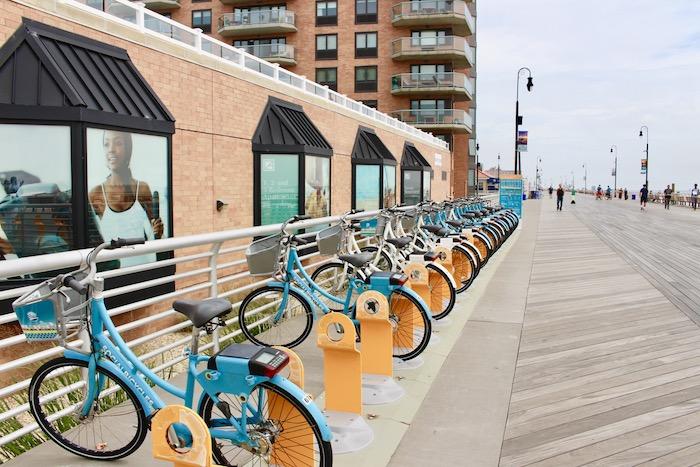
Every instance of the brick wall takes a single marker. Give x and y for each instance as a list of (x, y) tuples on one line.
[(217, 107)]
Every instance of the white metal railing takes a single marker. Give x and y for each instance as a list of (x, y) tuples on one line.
[(270, 51), (447, 44), (430, 8), (256, 18), (435, 117), (135, 15), (206, 265), (417, 81)]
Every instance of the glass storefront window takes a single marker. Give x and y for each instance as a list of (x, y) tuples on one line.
[(411, 186), (426, 185), (279, 187), (367, 187), (389, 186), (317, 190), (128, 192), (35, 190)]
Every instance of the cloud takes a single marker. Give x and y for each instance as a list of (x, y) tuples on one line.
[(602, 69)]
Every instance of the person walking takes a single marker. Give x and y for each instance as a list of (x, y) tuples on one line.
[(626, 195), (667, 197), (551, 190), (694, 197), (607, 192), (643, 197), (560, 197)]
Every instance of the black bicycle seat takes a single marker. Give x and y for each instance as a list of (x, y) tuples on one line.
[(455, 223), (399, 242), (200, 312), (358, 260)]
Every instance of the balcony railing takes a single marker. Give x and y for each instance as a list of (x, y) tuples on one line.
[(450, 119), (278, 53), (438, 83), (161, 4), (434, 13), (260, 21), (454, 48)]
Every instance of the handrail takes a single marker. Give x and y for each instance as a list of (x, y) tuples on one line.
[(435, 116), (433, 43), (432, 80), (135, 15), (433, 7), (258, 17)]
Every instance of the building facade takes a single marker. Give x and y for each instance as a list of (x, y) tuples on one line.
[(415, 60)]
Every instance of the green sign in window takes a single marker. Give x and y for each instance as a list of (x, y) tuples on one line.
[(279, 187)]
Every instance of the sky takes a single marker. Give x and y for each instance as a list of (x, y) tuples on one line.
[(601, 70)]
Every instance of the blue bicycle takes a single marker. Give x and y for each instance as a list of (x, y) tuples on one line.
[(98, 403), (281, 312)]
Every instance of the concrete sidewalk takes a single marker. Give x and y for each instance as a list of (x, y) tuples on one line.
[(462, 420)]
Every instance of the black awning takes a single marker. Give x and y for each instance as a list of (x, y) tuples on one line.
[(47, 73), (412, 158), (369, 149), (284, 127)]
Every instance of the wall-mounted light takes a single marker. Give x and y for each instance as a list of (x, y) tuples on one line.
[(220, 204)]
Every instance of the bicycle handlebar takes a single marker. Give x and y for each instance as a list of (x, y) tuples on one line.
[(121, 242), (75, 284)]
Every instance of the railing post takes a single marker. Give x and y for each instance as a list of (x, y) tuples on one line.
[(198, 38), (140, 15), (276, 71), (213, 286)]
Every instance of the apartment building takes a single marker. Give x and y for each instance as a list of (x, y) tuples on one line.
[(415, 60)]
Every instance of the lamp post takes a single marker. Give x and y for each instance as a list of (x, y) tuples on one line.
[(537, 174), (644, 131), (476, 172), (585, 178), (615, 169), (518, 119), (499, 171)]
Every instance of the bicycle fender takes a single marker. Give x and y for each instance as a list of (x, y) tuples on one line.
[(447, 273), (307, 402)]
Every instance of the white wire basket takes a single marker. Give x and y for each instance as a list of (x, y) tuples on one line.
[(328, 240), (263, 255)]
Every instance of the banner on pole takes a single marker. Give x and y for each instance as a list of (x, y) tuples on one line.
[(644, 166), (522, 140)]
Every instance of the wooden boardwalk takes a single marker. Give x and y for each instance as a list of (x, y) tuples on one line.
[(608, 369)]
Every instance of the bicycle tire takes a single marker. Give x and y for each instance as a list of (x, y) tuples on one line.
[(252, 330), (442, 293), (464, 268), (325, 451), (333, 306), (475, 256), (98, 453), (481, 242), (401, 320)]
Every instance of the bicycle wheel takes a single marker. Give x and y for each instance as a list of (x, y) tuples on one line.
[(264, 322), (333, 278), (464, 268), (482, 244), (286, 432), (442, 292), (116, 425), (410, 324), (475, 256)]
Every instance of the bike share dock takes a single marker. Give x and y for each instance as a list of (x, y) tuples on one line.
[(561, 353)]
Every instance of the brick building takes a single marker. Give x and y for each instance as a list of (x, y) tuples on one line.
[(414, 59)]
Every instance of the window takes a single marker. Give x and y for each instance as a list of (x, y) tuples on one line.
[(411, 186), (259, 14), (365, 79), (427, 177), (140, 206), (327, 77), (326, 13), (35, 192), (317, 186), (389, 186), (327, 47), (365, 11), (202, 19), (429, 38), (279, 187), (265, 48), (365, 44), (367, 187), (371, 103)]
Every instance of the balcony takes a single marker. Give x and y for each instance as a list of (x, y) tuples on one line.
[(242, 2), (256, 22), (452, 48), (274, 53), (454, 120), (161, 4), (456, 85), (450, 13)]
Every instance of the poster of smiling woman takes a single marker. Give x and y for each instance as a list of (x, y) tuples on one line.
[(128, 187)]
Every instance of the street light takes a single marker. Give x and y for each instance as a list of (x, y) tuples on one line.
[(615, 169), (476, 172), (499, 171), (644, 130), (518, 118), (585, 179)]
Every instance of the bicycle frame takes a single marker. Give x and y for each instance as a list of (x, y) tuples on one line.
[(235, 378)]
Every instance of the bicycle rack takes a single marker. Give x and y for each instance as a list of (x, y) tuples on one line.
[(378, 384), (342, 379), (198, 455), (302, 442), (418, 281), (444, 251)]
